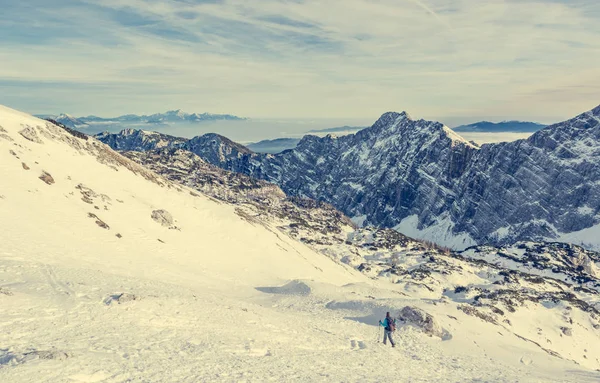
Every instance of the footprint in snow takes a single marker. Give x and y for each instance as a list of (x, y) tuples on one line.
[(526, 360), (357, 344)]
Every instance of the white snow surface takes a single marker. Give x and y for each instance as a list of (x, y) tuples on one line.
[(440, 233), (214, 297)]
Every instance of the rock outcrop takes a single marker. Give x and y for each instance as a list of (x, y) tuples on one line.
[(163, 217)]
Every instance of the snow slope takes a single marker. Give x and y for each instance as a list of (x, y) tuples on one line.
[(94, 289)]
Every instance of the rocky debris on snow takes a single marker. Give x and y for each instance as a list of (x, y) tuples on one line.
[(121, 298), (256, 200), (88, 195), (31, 134), (47, 355), (568, 331), (99, 222), (246, 216), (24, 165), (5, 292), (163, 217), (72, 132), (46, 177), (424, 321), (9, 358), (4, 134), (472, 311), (567, 262), (138, 140)]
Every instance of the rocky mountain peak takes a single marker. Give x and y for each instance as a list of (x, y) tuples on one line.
[(130, 132), (391, 119)]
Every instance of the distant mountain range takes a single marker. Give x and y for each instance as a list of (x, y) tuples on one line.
[(349, 129), (500, 127), (172, 116), (277, 145)]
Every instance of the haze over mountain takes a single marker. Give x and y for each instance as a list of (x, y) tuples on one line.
[(273, 146), (111, 266), (504, 126)]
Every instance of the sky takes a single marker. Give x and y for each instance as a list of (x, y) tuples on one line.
[(450, 60)]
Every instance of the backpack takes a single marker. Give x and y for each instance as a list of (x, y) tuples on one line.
[(391, 325)]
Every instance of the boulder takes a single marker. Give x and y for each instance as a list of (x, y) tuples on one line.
[(422, 320), (47, 178), (163, 217)]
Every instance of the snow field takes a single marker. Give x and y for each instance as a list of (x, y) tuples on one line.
[(92, 289)]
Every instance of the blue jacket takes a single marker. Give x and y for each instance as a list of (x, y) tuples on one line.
[(385, 322)]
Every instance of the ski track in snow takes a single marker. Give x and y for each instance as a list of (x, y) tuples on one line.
[(215, 299)]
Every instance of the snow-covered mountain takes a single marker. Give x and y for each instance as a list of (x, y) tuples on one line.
[(141, 140), (66, 120), (503, 126), (181, 116), (71, 121), (213, 148), (110, 271), (496, 285), (426, 181), (172, 116)]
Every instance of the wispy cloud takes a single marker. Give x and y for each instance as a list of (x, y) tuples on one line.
[(311, 58)]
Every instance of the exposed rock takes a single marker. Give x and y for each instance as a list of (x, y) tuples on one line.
[(24, 166), (139, 140), (31, 134), (163, 217), (419, 318), (72, 132), (121, 298), (568, 331), (11, 358), (99, 222), (5, 292), (47, 355), (4, 134), (470, 310), (88, 195), (47, 178)]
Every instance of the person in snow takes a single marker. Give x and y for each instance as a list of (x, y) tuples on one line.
[(389, 326)]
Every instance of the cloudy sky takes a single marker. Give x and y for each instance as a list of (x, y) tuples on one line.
[(438, 59)]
